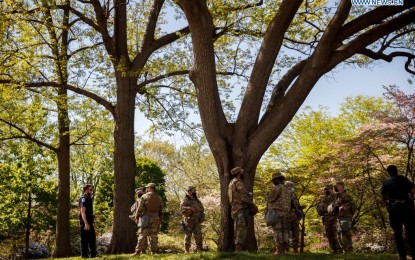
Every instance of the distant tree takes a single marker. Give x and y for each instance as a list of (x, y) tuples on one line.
[(28, 193), (36, 60), (147, 171), (318, 149), (121, 48)]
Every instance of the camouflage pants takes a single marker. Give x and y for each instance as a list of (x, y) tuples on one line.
[(295, 230), (330, 225), (241, 228), (345, 236), (195, 228), (151, 231), (282, 230)]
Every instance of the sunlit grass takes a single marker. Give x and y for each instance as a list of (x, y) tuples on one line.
[(246, 255)]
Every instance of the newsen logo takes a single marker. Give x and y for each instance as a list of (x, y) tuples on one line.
[(377, 2)]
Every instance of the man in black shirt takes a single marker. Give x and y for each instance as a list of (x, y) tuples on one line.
[(396, 192), (86, 222)]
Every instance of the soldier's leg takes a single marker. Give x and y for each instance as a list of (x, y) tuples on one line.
[(278, 236), (154, 229), (241, 232), (197, 231), (330, 226), (347, 240), (188, 237), (142, 239), (295, 234), (286, 228)]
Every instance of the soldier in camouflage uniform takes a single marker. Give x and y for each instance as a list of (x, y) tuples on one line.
[(346, 209), (279, 199), (139, 192), (193, 216), (239, 200), (329, 219), (295, 216), (151, 205)]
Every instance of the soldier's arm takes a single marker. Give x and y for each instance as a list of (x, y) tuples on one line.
[(348, 202), (161, 209), (274, 194), (184, 206), (141, 208), (202, 209), (243, 193)]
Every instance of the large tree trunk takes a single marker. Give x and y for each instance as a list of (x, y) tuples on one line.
[(63, 241), (227, 239), (123, 230)]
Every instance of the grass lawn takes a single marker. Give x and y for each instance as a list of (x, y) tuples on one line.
[(257, 255)]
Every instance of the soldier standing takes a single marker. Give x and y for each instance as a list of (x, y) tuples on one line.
[(346, 209), (295, 216), (86, 222), (329, 219), (239, 200), (396, 192), (193, 216), (279, 199), (139, 192), (150, 205)]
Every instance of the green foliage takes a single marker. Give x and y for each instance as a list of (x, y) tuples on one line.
[(191, 164), (147, 171), (26, 171), (318, 149)]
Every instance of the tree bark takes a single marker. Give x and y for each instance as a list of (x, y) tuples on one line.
[(123, 234), (63, 241), (226, 241)]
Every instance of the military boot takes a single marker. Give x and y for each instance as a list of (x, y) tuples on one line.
[(199, 248), (239, 248), (279, 250), (187, 248)]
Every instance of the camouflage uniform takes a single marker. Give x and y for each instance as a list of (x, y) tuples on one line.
[(280, 199), (151, 205), (329, 221), (239, 199), (344, 220), (192, 221), (294, 220), (134, 217)]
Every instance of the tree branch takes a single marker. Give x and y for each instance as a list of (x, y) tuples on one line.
[(272, 42), (160, 77), (368, 19), (325, 46), (26, 136), (365, 39), (244, 7), (279, 90), (149, 34), (389, 57), (75, 89)]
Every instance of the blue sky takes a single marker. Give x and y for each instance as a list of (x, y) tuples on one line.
[(332, 90)]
